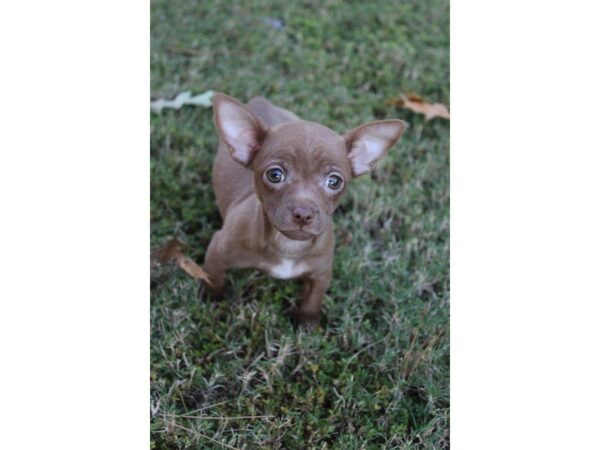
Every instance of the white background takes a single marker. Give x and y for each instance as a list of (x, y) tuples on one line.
[(74, 224)]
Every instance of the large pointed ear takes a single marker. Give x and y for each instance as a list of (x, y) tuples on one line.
[(370, 142), (240, 129)]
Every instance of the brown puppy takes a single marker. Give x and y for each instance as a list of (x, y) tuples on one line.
[(278, 180)]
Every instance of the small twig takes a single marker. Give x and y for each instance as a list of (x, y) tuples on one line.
[(204, 436), (223, 417)]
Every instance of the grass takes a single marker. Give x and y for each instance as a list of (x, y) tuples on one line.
[(376, 373)]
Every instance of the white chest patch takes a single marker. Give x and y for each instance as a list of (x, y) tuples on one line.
[(287, 268)]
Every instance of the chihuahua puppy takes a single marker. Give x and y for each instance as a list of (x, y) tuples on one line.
[(277, 180)]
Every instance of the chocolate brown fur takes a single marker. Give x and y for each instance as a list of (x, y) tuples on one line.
[(285, 227)]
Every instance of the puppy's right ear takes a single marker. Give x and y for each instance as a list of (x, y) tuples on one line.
[(240, 129)]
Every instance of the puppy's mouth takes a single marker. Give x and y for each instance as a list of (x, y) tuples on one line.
[(280, 219), (299, 235)]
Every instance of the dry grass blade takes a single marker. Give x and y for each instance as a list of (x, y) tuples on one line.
[(222, 417), (204, 408), (416, 104), (172, 252), (416, 354), (203, 436), (372, 344)]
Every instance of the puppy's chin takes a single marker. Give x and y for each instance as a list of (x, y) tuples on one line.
[(298, 235)]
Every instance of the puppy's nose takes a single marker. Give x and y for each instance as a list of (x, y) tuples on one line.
[(303, 215)]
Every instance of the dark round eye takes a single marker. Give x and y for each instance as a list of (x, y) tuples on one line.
[(275, 175), (334, 182)]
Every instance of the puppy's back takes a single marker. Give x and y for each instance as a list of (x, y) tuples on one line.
[(272, 115)]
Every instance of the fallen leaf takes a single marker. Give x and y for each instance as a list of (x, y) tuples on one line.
[(415, 98), (167, 253), (172, 252), (190, 267), (416, 104), (183, 98)]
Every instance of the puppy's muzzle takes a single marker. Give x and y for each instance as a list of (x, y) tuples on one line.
[(303, 215)]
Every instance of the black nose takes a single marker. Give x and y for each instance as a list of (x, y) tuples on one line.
[(303, 215)]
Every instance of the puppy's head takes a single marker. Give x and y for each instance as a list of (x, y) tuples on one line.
[(301, 168)]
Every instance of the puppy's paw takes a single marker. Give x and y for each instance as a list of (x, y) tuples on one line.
[(308, 319), (209, 293)]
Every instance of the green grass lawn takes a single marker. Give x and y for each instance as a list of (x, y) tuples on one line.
[(376, 373)]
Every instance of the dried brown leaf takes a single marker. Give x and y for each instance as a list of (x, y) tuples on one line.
[(190, 267), (415, 97), (168, 253), (172, 252), (415, 103)]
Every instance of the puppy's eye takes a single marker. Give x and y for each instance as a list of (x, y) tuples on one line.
[(334, 182), (275, 175)]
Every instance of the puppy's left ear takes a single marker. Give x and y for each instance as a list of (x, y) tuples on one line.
[(370, 142)]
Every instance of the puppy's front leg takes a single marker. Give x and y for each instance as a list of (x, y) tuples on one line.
[(215, 264), (312, 298)]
